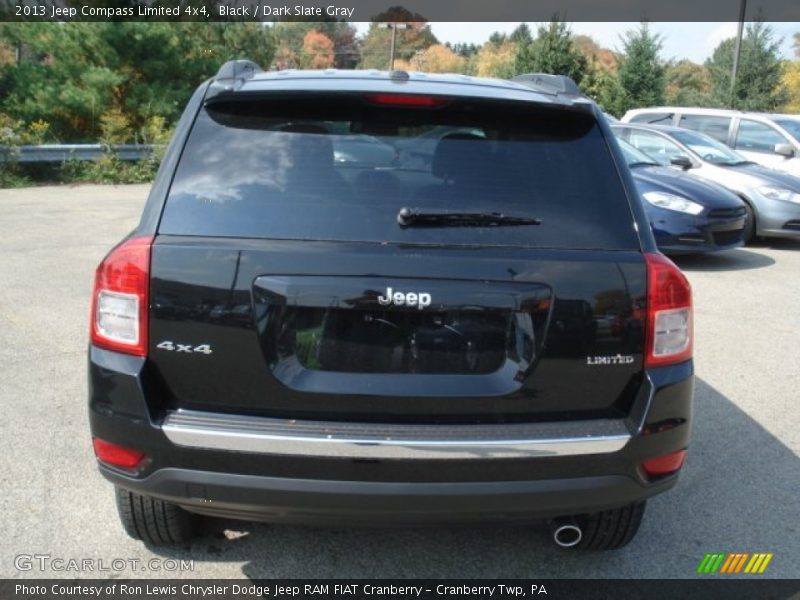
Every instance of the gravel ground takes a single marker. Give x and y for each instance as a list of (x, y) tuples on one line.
[(739, 491)]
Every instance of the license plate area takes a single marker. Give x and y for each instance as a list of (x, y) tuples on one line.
[(338, 333), (469, 341)]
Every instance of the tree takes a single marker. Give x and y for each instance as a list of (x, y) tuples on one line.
[(496, 60), (796, 44), (317, 50), (521, 35), (464, 49), (7, 53), (84, 79), (612, 96), (641, 71), (441, 59), (791, 81), (602, 57), (375, 46), (758, 83), (497, 39), (289, 37), (688, 84), (551, 51)]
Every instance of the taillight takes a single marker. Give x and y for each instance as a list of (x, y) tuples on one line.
[(664, 465), (669, 313), (120, 298), (116, 455), (407, 100)]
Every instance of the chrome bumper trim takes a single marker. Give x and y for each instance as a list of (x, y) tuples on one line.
[(195, 429)]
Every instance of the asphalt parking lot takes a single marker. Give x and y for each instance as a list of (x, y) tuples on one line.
[(739, 491)]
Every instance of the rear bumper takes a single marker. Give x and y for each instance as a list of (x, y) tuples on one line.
[(239, 468), (331, 439), (326, 502)]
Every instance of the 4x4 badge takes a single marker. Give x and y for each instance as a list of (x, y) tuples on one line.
[(418, 299)]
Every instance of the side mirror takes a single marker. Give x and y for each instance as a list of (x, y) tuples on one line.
[(785, 150), (681, 161)]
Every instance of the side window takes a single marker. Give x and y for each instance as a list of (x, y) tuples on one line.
[(716, 127), (660, 118), (656, 147), (757, 137)]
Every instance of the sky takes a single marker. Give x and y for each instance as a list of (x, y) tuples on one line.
[(695, 41)]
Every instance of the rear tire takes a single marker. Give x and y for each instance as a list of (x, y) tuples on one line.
[(750, 225), (154, 521), (610, 529)]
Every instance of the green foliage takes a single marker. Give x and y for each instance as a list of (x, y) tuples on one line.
[(758, 83), (688, 84), (12, 177), (109, 169), (551, 51), (641, 71), (611, 96), (75, 75), (464, 50), (603, 86), (14, 133), (497, 39), (521, 35)]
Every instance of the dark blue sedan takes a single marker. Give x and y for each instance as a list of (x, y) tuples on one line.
[(688, 214)]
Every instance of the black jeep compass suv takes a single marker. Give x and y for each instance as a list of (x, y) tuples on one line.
[(390, 298)]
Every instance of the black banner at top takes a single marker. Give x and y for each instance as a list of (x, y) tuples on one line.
[(382, 10)]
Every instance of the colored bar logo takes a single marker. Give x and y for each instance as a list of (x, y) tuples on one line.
[(734, 562)]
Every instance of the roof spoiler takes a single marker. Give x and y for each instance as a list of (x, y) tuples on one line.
[(558, 85), (232, 75)]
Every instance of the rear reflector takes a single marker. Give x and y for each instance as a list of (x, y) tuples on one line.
[(120, 298), (407, 100), (664, 465), (115, 455), (669, 313)]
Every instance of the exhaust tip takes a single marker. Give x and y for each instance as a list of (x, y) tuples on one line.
[(567, 535)]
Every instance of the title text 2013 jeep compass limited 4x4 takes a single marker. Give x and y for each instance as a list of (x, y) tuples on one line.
[(390, 298)]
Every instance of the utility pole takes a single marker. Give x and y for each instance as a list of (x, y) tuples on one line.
[(737, 50), (394, 27)]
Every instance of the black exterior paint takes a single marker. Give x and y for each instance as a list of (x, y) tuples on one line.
[(186, 308), (220, 292)]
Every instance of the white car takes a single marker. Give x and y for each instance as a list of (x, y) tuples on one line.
[(771, 140)]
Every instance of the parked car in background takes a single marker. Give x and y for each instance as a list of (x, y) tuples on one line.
[(687, 214), (767, 139), (772, 198)]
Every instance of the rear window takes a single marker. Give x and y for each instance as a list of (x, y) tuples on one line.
[(340, 168)]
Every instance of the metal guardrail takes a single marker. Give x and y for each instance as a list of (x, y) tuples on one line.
[(45, 153)]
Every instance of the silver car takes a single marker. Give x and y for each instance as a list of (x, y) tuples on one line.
[(772, 197), (771, 140)]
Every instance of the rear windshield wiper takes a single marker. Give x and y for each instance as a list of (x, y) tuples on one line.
[(411, 217)]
